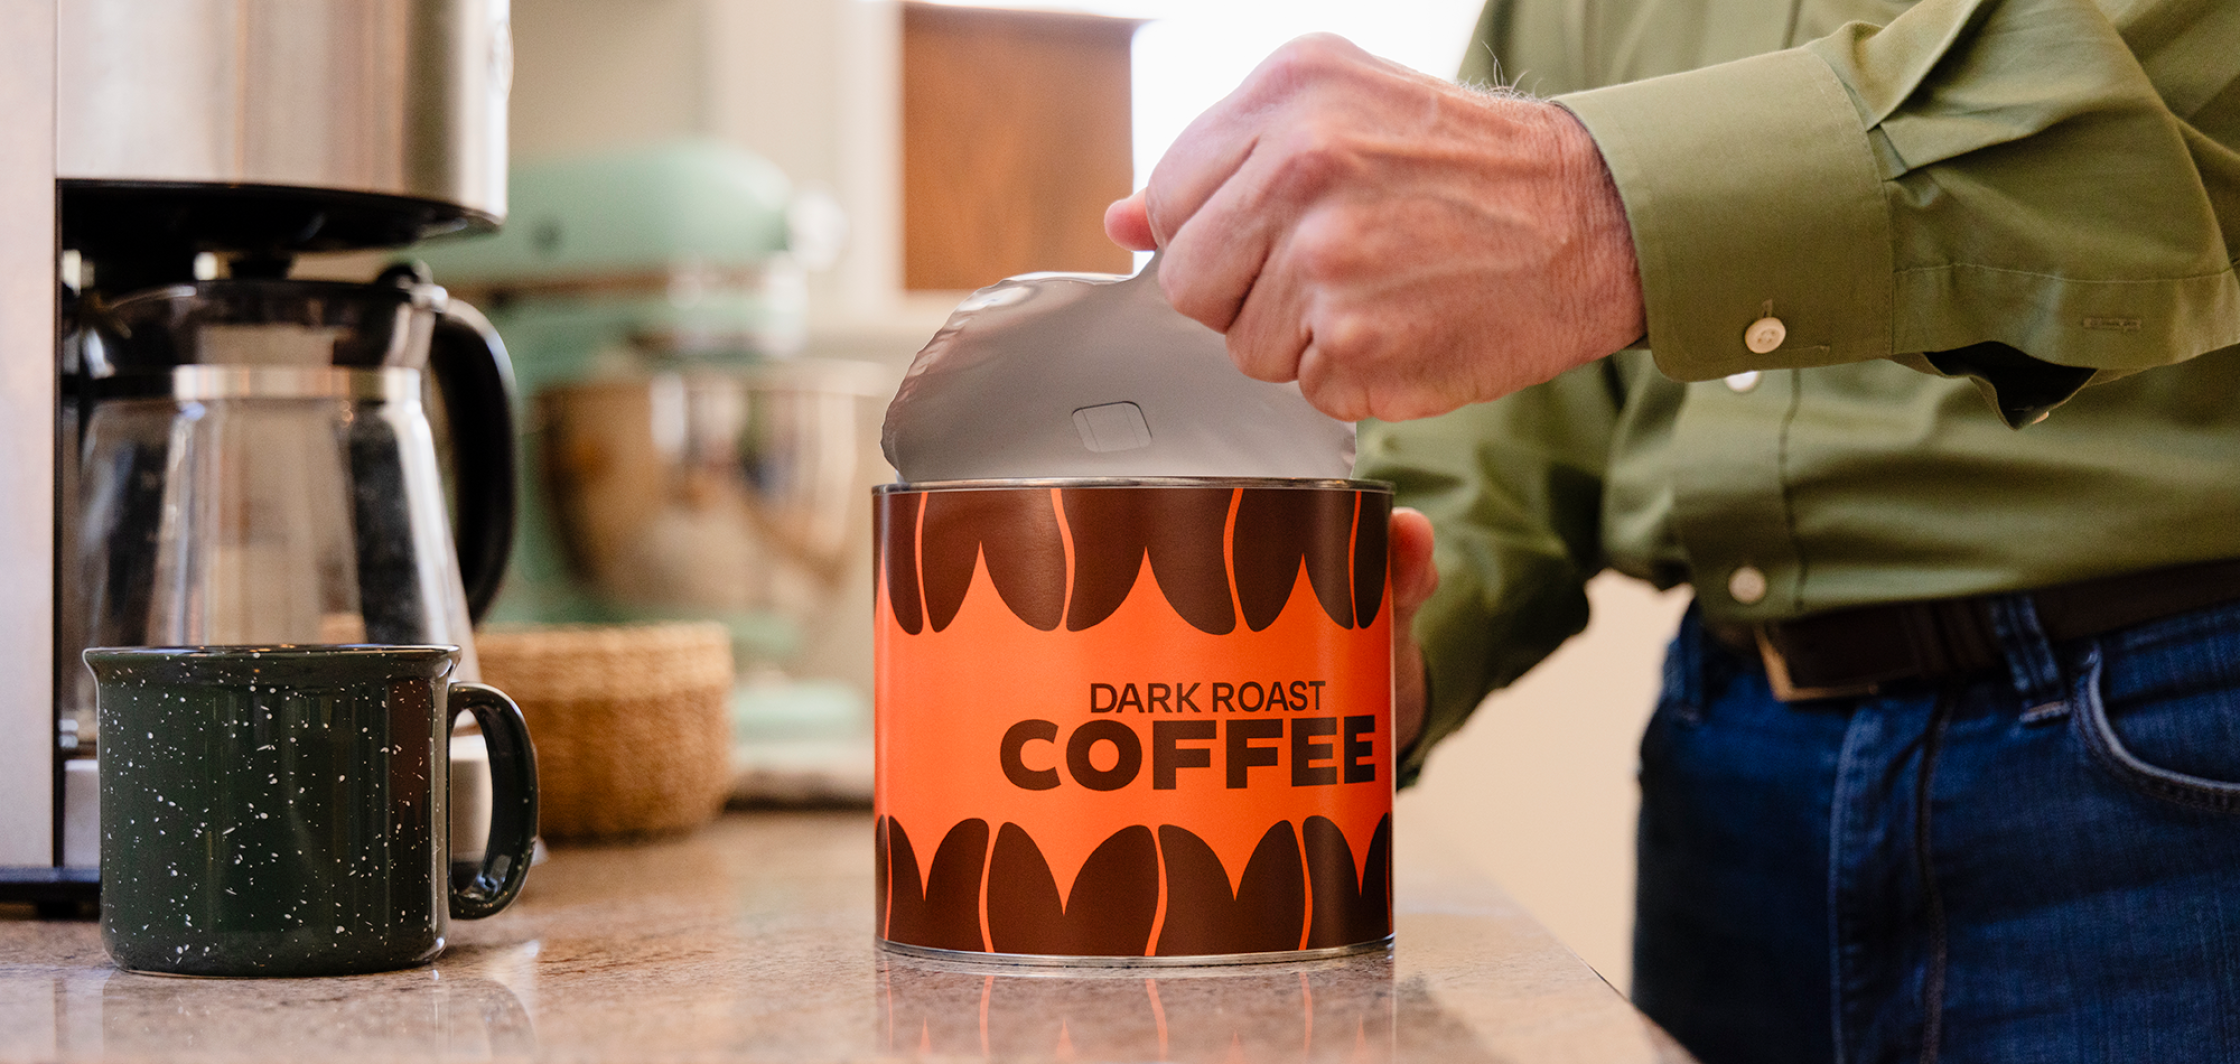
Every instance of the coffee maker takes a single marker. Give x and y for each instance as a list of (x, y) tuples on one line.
[(157, 144)]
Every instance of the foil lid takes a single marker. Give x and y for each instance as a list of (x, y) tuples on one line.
[(1095, 375)]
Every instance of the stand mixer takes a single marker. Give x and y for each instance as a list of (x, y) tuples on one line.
[(680, 460)]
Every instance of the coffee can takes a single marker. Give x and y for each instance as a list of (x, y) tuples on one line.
[(1133, 721)]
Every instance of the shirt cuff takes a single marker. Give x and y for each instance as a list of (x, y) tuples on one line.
[(1754, 194)]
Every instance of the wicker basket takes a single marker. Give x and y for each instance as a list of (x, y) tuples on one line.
[(631, 722)]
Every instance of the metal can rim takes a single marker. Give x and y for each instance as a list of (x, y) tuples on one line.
[(986, 960), (1384, 487)]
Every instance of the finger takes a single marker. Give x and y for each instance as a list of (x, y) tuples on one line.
[(1345, 372), (1208, 267), (1268, 334), (1203, 157), (1212, 264), (1414, 576), (1128, 224), (1219, 141), (1342, 265), (1413, 580)]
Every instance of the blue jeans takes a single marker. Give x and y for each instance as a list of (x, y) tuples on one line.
[(2042, 865)]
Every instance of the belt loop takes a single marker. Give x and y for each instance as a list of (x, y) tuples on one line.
[(2031, 663)]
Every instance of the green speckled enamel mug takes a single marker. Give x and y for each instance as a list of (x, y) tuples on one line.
[(282, 810)]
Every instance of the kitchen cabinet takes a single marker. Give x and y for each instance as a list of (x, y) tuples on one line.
[(1015, 135)]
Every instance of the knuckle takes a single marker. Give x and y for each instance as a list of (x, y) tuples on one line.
[(1305, 58), (1349, 337), (1327, 245), (1324, 55), (1309, 160)]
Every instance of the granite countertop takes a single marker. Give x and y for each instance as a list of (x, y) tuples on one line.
[(751, 940)]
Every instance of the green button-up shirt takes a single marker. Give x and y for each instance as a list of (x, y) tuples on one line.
[(2027, 195)]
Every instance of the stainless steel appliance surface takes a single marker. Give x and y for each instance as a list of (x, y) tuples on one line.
[(717, 491), (280, 125), (154, 144)]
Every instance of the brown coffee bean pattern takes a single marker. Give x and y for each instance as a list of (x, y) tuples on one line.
[(1108, 913), (1276, 531), (1113, 531), (1203, 917), (1347, 909), (1114, 900), (1338, 538), (1014, 532), (894, 557), (1372, 531), (944, 912)]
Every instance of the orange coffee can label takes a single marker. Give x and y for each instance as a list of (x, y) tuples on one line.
[(1134, 718)]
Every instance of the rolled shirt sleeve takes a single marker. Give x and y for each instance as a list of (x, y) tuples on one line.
[(2022, 191)]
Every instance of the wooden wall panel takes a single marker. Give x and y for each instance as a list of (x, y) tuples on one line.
[(1016, 135)]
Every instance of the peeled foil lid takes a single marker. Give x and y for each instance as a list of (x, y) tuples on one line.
[(1095, 375)]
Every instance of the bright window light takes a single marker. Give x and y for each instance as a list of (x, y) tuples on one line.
[(1191, 53)]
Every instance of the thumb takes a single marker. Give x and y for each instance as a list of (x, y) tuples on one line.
[(1414, 578), (1128, 223)]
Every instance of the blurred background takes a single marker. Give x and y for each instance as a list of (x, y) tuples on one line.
[(739, 213)]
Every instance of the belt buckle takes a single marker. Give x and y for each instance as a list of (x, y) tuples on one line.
[(1777, 676)]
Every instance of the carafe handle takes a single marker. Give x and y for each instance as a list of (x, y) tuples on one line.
[(476, 379)]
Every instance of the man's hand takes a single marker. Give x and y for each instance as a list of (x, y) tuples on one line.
[(1413, 580), (1399, 245)]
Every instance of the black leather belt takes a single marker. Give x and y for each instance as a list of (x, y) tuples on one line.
[(1855, 652)]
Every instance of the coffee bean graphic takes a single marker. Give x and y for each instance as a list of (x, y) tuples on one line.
[(894, 558), (1014, 532), (1113, 530), (1171, 696), (1339, 538), (943, 913), (1372, 532), (1108, 912), (1347, 910), (1266, 913)]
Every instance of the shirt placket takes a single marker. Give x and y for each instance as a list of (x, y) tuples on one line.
[(1730, 506)]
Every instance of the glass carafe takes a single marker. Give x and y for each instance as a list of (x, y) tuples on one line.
[(257, 466)]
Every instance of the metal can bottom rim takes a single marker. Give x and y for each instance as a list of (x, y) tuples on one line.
[(976, 958)]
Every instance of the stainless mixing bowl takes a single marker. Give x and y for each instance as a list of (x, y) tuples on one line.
[(728, 493)]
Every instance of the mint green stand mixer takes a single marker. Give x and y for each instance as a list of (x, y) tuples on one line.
[(679, 459)]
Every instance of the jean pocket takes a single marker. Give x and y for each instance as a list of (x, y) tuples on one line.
[(2177, 737)]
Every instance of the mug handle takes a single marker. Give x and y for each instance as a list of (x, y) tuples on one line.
[(513, 803)]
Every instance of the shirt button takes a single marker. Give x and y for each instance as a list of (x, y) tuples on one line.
[(1743, 381), (1747, 585), (1764, 335)]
